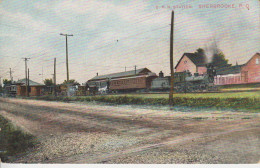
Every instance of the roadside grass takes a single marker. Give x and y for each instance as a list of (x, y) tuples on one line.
[(240, 87), (246, 118), (199, 118), (255, 94), (239, 100), (237, 86), (13, 141)]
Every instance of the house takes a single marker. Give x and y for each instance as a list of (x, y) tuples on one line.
[(250, 72), (192, 62), (240, 74), (35, 89)]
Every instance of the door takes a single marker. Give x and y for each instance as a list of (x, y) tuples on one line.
[(244, 75)]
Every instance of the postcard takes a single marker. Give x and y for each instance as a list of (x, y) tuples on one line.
[(108, 82)]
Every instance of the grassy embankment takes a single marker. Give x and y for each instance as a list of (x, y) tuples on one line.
[(13, 141), (241, 87), (238, 100)]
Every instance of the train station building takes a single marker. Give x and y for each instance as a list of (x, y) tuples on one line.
[(237, 74), (240, 74)]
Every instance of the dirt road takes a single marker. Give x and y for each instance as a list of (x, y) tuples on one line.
[(91, 133)]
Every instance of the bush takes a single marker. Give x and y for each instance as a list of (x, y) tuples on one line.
[(13, 140), (220, 102), (19, 142)]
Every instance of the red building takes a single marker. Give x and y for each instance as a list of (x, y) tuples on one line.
[(251, 70), (35, 89), (240, 74), (191, 62)]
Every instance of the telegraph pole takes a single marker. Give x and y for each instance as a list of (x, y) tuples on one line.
[(135, 69), (26, 81), (171, 60), (54, 77), (67, 59), (11, 78)]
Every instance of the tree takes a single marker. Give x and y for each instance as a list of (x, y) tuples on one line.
[(201, 52), (219, 60), (218, 57), (71, 81), (7, 82), (48, 82)]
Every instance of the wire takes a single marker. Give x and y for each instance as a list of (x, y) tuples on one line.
[(19, 27)]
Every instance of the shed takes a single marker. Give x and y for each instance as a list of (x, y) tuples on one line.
[(35, 89)]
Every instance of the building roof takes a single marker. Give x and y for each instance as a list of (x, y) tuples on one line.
[(197, 59), (31, 83), (233, 69), (229, 70), (252, 57), (121, 74)]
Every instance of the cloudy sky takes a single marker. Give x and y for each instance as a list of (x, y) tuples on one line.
[(111, 35)]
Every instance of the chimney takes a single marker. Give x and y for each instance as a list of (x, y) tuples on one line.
[(161, 75), (97, 73)]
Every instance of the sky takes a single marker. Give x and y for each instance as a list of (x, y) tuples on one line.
[(109, 35)]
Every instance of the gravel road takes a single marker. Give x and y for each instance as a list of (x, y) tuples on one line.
[(96, 133)]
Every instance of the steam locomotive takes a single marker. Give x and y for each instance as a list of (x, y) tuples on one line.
[(187, 82), (143, 80)]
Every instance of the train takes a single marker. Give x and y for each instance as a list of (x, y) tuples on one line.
[(143, 80), (124, 82), (187, 82)]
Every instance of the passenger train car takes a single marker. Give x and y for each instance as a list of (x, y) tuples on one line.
[(143, 80), (128, 81)]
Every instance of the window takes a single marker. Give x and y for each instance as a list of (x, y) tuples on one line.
[(257, 61), (185, 62)]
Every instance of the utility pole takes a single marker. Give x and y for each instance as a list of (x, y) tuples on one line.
[(54, 77), (26, 81), (53, 83), (171, 60), (125, 68), (135, 69), (67, 59), (11, 78)]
